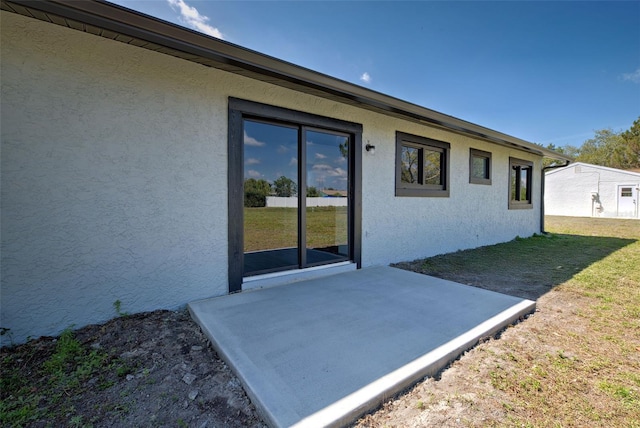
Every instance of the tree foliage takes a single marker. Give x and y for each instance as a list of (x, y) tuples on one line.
[(256, 192), (630, 156), (409, 165), (344, 149), (607, 148), (603, 149), (285, 187), (312, 192)]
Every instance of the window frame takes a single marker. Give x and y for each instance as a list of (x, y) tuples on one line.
[(475, 153), (528, 202), (422, 189)]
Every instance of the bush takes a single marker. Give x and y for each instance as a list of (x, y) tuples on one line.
[(253, 199)]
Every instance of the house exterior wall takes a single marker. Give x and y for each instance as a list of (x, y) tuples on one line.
[(114, 180), (585, 190)]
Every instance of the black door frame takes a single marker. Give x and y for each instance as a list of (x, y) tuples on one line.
[(240, 109)]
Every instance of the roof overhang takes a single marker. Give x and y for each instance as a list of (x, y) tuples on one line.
[(127, 26)]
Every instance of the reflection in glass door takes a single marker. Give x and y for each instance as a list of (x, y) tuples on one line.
[(278, 222), (270, 171), (327, 201)]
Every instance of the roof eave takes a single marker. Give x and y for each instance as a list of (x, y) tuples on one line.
[(213, 52)]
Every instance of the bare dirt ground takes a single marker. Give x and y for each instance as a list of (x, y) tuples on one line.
[(157, 370)]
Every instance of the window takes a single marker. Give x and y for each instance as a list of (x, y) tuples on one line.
[(626, 192), (422, 166), (520, 183), (479, 167)]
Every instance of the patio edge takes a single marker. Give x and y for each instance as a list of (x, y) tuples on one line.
[(269, 418), (351, 407)]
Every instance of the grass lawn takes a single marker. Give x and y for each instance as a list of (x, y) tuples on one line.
[(575, 362), (588, 371), (269, 228)]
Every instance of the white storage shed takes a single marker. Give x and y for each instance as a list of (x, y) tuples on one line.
[(585, 190)]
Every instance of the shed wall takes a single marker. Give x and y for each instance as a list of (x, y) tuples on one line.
[(114, 180), (584, 190)]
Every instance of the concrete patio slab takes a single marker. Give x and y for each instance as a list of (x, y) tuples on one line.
[(324, 351)]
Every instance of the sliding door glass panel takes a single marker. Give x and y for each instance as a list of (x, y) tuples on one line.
[(270, 197), (327, 197)]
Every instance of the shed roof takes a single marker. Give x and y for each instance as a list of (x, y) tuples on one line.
[(631, 173), (131, 27)]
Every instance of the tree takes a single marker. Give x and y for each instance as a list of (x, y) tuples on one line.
[(603, 149), (285, 187), (409, 165), (607, 148), (312, 192), (344, 149), (630, 154), (256, 192), (570, 151)]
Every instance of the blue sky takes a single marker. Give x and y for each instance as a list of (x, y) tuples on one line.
[(546, 72)]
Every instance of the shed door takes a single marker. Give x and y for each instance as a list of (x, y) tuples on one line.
[(627, 200)]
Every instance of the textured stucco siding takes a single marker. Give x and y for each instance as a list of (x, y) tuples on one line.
[(406, 228), (113, 171), (568, 191), (114, 180)]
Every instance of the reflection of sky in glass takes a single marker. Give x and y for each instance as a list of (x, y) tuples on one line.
[(271, 151), (326, 166)]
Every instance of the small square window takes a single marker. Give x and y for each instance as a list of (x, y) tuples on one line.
[(520, 184), (626, 192), (422, 166), (479, 167)]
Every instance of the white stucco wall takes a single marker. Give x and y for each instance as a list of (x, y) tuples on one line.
[(113, 166), (403, 228), (114, 172), (585, 190)]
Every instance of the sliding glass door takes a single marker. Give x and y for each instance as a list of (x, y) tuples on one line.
[(296, 196)]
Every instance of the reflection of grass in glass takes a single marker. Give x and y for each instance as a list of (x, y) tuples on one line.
[(326, 226), (270, 228)]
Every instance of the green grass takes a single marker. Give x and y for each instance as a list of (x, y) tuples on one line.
[(586, 226), (528, 267), (269, 228)]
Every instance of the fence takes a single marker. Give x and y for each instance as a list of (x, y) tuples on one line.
[(281, 202)]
